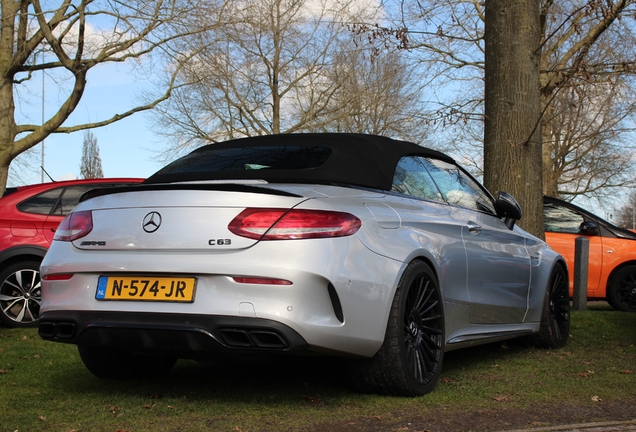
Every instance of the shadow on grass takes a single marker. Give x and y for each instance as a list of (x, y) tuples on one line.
[(242, 380), (238, 380), (303, 378)]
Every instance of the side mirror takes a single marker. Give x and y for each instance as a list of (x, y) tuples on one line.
[(508, 208), (588, 228)]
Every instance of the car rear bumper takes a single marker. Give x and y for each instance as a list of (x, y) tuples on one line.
[(191, 336)]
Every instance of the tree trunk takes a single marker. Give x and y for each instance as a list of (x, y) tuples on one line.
[(550, 174), (7, 104), (7, 130), (512, 130)]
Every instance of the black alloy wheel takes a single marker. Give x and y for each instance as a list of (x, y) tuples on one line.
[(20, 294), (410, 359), (422, 329), (621, 291), (555, 321)]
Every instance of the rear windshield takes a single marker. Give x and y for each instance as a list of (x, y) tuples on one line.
[(249, 159)]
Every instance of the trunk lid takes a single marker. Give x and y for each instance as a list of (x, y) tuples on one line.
[(174, 218)]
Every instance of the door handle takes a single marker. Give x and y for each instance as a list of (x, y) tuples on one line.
[(474, 228)]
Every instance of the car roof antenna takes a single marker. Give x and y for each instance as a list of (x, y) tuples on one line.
[(47, 173)]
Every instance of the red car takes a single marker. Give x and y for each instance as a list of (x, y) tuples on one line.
[(612, 251), (29, 216)]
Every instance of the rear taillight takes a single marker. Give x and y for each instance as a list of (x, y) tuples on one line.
[(75, 225), (283, 224)]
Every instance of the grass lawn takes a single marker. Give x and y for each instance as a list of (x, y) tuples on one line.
[(45, 387)]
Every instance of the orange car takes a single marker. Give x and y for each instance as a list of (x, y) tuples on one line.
[(612, 254)]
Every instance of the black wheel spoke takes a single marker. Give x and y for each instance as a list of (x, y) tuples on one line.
[(559, 304), (421, 292), (422, 328), (431, 330)]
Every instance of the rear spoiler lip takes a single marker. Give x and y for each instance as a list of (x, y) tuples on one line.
[(223, 187)]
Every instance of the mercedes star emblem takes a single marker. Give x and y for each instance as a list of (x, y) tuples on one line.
[(151, 222)]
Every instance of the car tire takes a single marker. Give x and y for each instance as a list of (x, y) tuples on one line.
[(20, 294), (410, 359), (554, 330), (111, 363), (621, 291)]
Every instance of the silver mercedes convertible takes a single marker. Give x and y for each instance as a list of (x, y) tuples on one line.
[(377, 250)]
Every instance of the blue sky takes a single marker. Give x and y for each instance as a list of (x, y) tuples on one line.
[(127, 147)]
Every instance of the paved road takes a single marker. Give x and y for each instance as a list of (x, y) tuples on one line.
[(625, 426)]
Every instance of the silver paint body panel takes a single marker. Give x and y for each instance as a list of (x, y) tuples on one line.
[(492, 279)]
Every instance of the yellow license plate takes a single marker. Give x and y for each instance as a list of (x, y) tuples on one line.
[(142, 288)]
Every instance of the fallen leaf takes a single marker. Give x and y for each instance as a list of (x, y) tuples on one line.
[(596, 399), (41, 417), (114, 409), (625, 371), (500, 398), (24, 337), (446, 380), (36, 356), (377, 417), (2, 371), (312, 399)]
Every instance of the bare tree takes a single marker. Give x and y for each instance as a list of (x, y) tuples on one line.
[(626, 215), (583, 130), (271, 57), (583, 43), (91, 166), (66, 39), (379, 94), (289, 66)]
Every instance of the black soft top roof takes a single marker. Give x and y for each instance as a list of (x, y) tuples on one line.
[(355, 159)]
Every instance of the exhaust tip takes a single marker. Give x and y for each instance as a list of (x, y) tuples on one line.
[(59, 330), (253, 338)]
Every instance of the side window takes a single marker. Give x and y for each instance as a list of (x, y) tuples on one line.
[(557, 218), (42, 203), (70, 199), (412, 178), (459, 189), (72, 195)]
